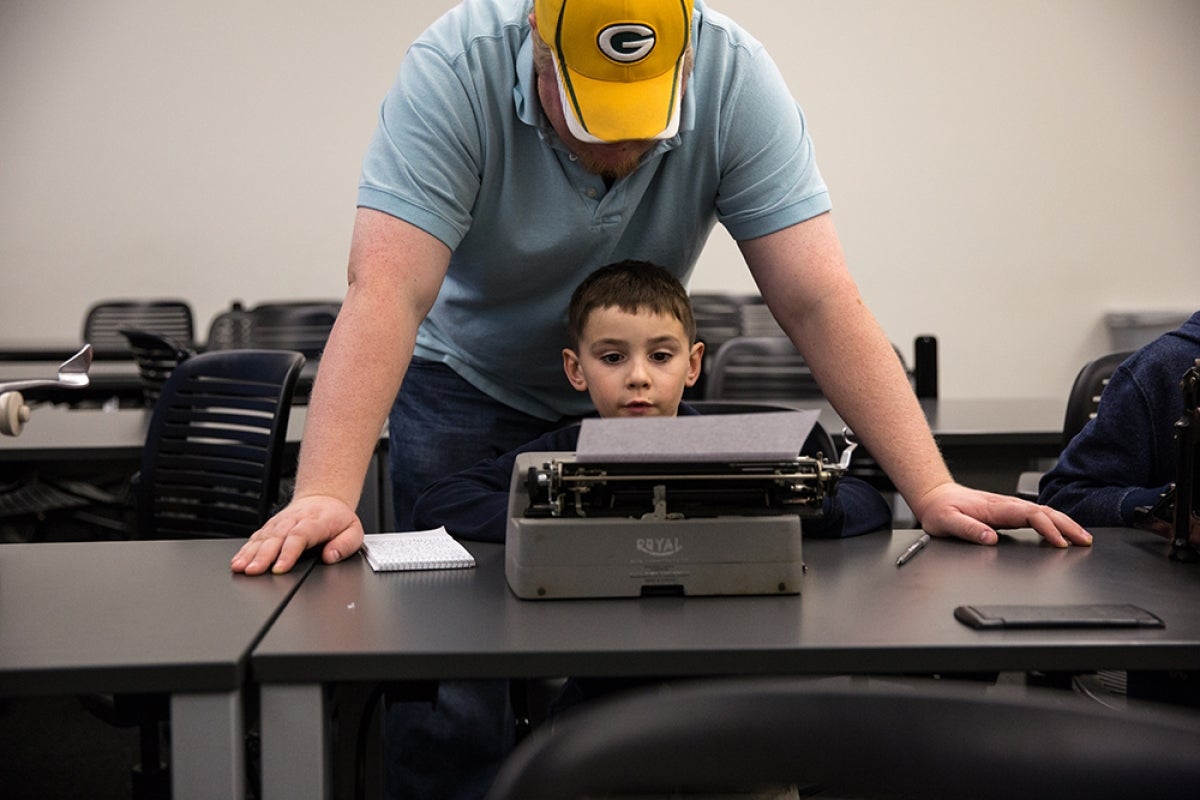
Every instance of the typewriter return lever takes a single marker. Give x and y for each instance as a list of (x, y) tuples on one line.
[(851, 443)]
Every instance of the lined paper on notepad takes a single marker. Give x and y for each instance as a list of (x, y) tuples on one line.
[(412, 550)]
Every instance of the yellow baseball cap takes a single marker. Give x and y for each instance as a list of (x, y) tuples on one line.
[(620, 64)]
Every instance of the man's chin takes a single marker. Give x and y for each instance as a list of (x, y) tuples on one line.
[(610, 165)]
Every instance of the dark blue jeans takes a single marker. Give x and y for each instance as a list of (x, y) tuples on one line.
[(439, 425)]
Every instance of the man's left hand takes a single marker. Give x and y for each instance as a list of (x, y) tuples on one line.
[(952, 509)]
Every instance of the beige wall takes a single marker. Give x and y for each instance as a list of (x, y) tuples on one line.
[(1003, 172)]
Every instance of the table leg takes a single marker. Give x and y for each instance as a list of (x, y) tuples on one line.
[(208, 757), (295, 742)]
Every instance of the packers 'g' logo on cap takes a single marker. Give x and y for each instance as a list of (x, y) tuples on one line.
[(619, 64), (626, 43)]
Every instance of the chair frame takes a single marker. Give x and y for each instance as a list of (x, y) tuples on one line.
[(1083, 400), (778, 356), (105, 319), (214, 448), (303, 326), (888, 738), (1083, 403)]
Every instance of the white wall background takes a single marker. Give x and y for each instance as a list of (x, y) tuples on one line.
[(1003, 172)]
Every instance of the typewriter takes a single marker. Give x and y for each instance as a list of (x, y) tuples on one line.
[(621, 527)]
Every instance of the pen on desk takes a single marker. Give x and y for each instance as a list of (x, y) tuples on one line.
[(912, 550)]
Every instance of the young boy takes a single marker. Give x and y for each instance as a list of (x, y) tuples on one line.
[(633, 348), (634, 351)]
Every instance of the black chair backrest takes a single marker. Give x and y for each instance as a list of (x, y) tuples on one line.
[(856, 737), (718, 317), (156, 356), (759, 368), (757, 319), (230, 330), (105, 320), (1084, 398), (302, 326), (214, 449)]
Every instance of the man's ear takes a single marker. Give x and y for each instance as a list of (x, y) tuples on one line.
[(574, 370), (695, 359)]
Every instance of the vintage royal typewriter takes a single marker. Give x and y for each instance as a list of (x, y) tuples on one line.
[(643, 518)]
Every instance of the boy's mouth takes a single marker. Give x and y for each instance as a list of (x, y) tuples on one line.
[(639, 406)]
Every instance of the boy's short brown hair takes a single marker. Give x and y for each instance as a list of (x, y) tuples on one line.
[(631, 286)]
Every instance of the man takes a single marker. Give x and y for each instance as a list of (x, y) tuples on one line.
[(492, 187), (518, 151)]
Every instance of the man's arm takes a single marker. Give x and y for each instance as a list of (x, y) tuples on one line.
[(394, 275), (802, 274)]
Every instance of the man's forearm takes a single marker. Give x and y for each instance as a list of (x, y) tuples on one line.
[(354, 390), (866, 383), (802, 274), (394, 275)]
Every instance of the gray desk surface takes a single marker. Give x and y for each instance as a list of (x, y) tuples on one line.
[(160, 616), (132, 617), (858, 613)]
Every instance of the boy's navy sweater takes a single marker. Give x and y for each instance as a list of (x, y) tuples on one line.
[(1126, 456), (473, 504)]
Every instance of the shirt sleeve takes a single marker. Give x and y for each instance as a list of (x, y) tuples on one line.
[(855, 508), (473, 504), (1113, 456), (770, 178), (423, 162)]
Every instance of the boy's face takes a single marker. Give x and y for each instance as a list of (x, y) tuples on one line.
[(633, 365)]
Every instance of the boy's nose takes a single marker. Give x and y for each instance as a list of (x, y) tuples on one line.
[(639, 375)]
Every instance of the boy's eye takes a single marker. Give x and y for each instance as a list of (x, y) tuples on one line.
[(660, 356), (611, 358)]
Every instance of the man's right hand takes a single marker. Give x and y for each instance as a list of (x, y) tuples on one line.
[(306, 522)]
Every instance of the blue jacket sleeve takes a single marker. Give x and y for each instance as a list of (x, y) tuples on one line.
[(854, 509), (1124, 456), (473, 503)]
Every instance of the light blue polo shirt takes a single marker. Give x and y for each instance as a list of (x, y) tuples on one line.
[(464, 152)]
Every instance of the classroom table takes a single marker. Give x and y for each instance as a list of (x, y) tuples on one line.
[(112, 379), (987, 442), (858, 614), (56, 350), (143, 617)]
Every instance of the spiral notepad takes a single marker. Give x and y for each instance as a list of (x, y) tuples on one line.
[(409, 550)]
